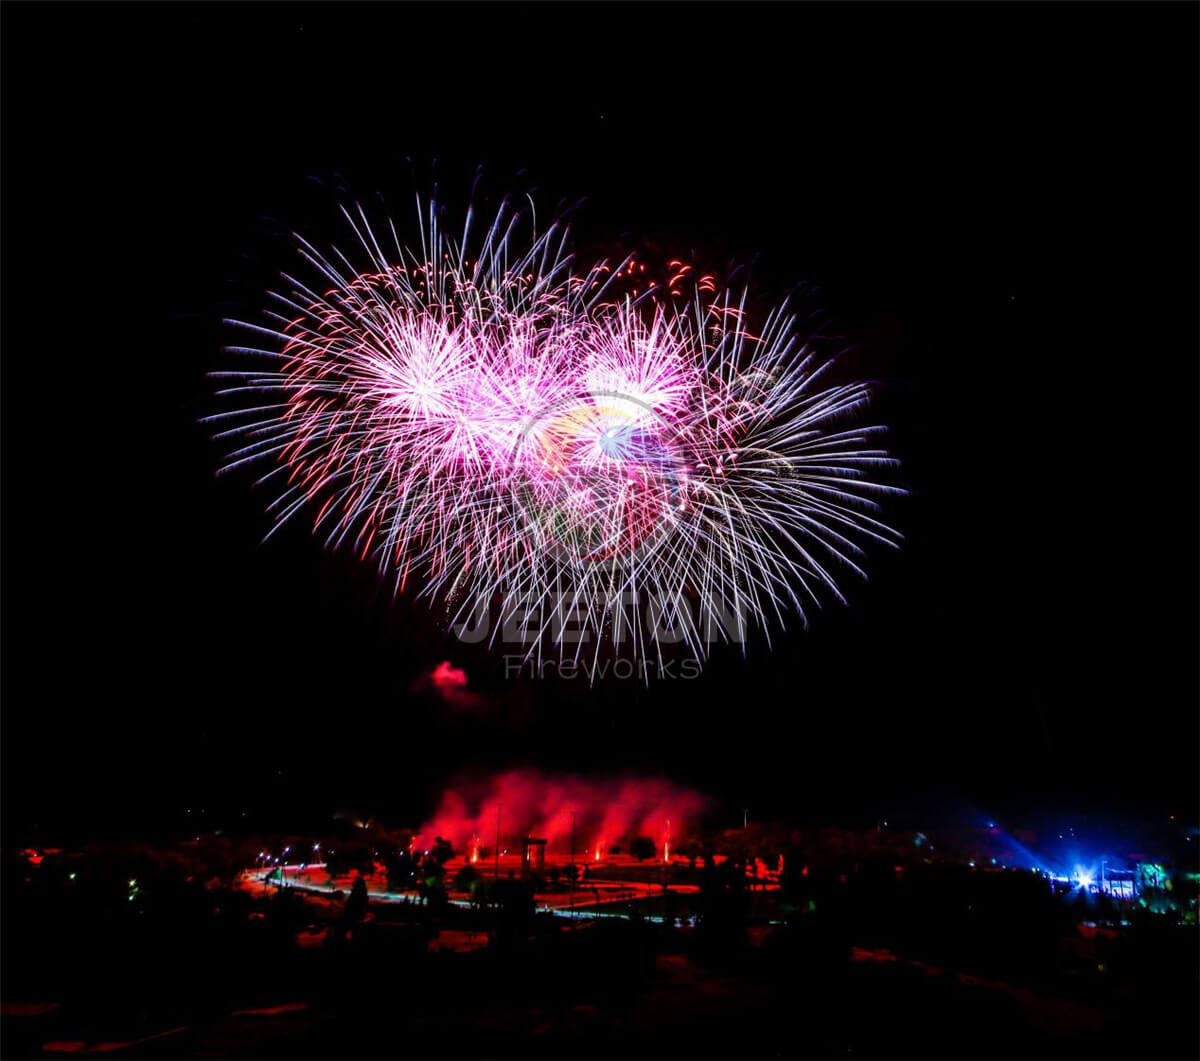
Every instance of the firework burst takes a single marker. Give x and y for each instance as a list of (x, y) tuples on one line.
[(618, 464)]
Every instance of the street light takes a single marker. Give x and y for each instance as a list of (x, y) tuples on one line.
[(573, 870), (499, 807)]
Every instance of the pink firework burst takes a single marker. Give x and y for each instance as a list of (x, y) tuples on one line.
[(494, 426)]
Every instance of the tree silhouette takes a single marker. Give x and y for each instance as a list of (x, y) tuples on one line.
[(642, 848), (464, 878), (356, 905)]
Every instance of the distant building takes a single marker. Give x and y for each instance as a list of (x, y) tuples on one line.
[(533, 855)]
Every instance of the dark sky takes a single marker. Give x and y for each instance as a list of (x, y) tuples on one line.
[(996, 203)]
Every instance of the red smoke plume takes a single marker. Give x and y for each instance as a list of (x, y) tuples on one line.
[(608, 810), (446, 677), (450, 684)]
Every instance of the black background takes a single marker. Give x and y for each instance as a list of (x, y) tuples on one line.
[(996, 204)]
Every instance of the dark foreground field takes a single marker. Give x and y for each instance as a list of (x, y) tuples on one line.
[(184, 970)]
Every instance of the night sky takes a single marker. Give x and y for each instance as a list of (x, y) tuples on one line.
[(995, 205)]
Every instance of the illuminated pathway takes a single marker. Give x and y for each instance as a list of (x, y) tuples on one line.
[(586, 897)]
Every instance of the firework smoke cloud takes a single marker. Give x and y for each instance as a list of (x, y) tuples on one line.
[(596, 811), (618, 463)]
